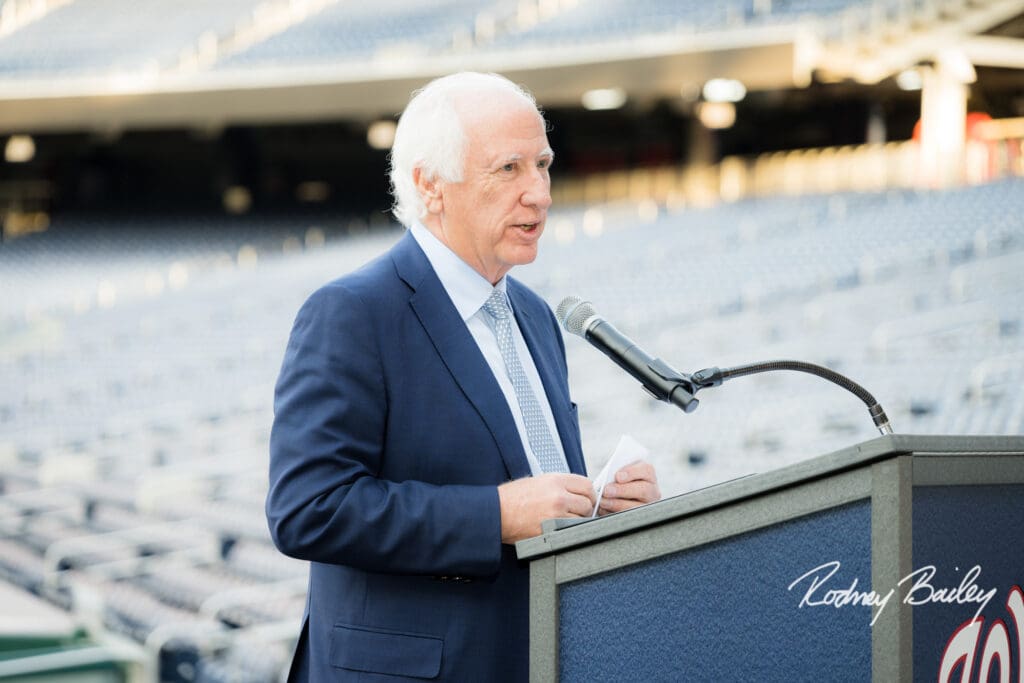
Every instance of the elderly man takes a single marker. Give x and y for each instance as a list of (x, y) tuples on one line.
[(422, 416)]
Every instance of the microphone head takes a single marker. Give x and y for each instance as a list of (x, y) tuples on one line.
[(574, 313)]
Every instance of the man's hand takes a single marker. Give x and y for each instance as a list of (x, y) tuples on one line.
[(634, 485), (525, 503)]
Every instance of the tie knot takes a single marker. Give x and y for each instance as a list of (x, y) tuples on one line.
[(496, 306)]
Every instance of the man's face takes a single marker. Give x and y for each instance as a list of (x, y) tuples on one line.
[(494, 217)]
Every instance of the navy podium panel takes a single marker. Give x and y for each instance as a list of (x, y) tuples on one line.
[(899, 559), (968, 552), (606, 620)]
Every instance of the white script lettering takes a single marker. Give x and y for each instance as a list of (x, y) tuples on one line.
[(821, 593)]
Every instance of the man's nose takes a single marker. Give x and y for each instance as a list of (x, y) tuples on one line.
[(538, 192)]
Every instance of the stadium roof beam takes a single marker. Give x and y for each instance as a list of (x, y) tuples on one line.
[(995, 51), (875, 53), (763, 58)]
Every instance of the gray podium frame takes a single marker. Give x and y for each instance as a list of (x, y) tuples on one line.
[(883, 470)]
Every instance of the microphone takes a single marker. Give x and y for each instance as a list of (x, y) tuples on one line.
[(667, 384), (660, 379)]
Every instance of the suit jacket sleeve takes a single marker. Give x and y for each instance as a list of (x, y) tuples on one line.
[(327, 501)]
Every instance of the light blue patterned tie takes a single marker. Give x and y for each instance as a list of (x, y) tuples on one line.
[(537, 432)]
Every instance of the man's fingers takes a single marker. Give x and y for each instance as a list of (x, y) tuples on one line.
[(576, 484), (580, 495), (635, 484), (609, 505), (639, 470), (580, 506), (642, 491), (628, 496)]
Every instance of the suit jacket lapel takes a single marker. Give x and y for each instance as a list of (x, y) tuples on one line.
[(459, 352)]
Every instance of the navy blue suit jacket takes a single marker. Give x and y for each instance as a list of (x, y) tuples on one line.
[(390, 437)]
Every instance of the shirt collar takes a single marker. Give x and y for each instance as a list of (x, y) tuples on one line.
[(467, 288)]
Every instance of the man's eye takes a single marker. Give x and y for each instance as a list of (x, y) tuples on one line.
[(544, 163), (508, 168)]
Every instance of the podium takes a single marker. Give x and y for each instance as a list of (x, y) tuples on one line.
[(869, 563)]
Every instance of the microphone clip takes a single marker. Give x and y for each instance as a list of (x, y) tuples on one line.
[(708, 377), (681, 394)]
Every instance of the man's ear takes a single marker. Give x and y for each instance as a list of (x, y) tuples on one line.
[(430, 191)]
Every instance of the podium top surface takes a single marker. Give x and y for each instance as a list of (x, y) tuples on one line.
[(561, 535)]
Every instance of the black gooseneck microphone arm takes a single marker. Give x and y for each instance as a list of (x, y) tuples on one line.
[(667, 384), (712, 377)]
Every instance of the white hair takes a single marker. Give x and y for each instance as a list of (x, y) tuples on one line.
[(430, 136)]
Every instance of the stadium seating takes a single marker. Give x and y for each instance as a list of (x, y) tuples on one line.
[(152, 33), (162, 34), (604, 20), (874, 285), (349, 31), (138, 358)]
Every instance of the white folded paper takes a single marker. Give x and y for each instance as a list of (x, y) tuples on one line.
[(627, 452)]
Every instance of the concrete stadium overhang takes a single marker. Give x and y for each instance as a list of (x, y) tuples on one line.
[(646, 68)]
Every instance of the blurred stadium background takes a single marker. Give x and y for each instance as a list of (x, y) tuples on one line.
[(837, 181)]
